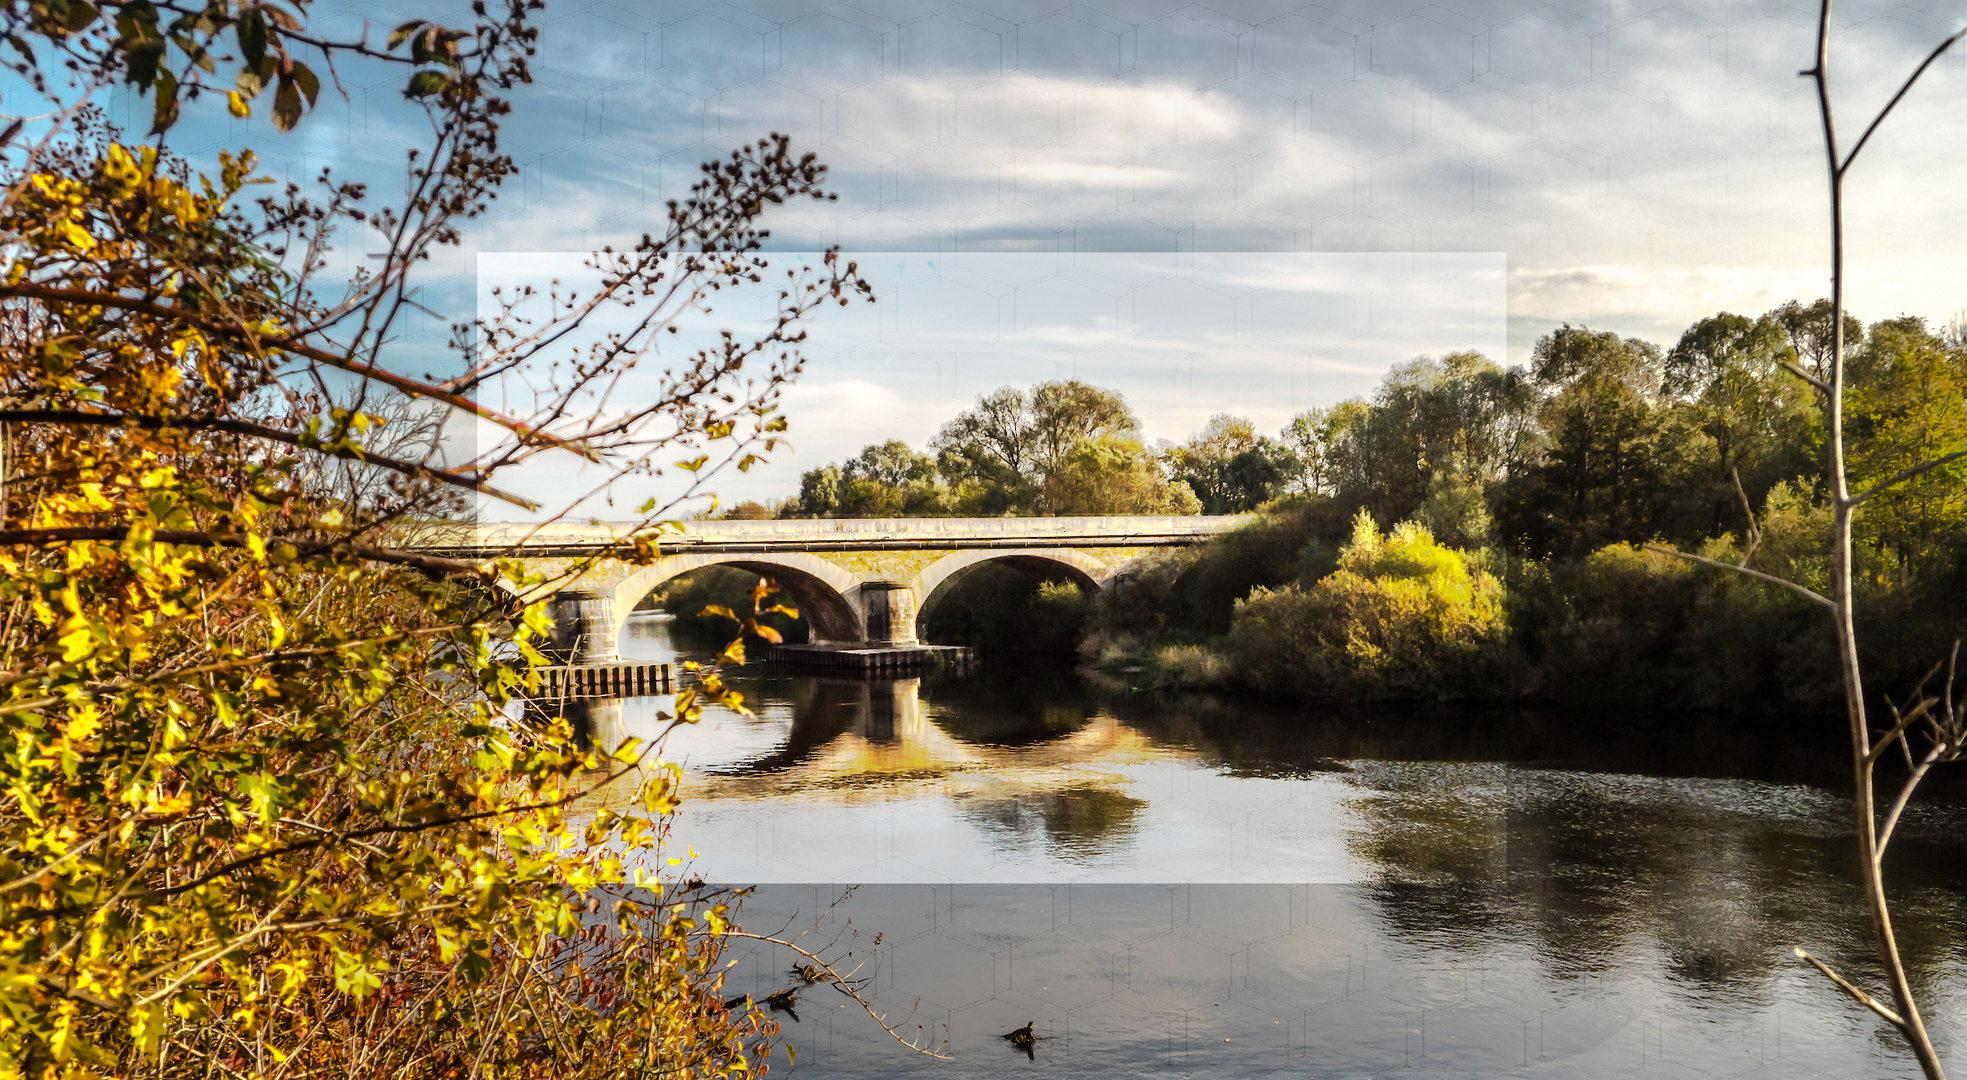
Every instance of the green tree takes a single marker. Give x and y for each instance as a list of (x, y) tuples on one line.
[(1461, 412), (1909, 405), (1230, 468), (1111, 475), (1005, 447), (1745, 420), (884, 480), (1598, 480)]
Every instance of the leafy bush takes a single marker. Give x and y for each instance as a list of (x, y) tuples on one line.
[(1646, 629), (1191, 596), (1403, 616)]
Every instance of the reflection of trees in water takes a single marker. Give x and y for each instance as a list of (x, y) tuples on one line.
[(1080, 823), (822, 711), (1590, 869), (1258, 737), (997, 706)]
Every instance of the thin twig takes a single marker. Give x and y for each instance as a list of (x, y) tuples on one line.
[(828, 968), (1863, 998)]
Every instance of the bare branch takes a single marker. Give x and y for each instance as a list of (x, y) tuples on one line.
[(1822, 386), (845, 989), (1903, 90), (1863, 998), (1904, 475), (116, 534), (259, 431), (1757, 574), (292, 344), (1905, 796)]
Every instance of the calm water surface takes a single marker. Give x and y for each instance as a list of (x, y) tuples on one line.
[(1181, 886)]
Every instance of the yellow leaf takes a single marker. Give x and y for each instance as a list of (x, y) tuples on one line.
[(84, 723), (78, 642)]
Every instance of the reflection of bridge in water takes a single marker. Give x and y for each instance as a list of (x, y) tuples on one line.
[(855, 581), (874, 734), (876, 739)]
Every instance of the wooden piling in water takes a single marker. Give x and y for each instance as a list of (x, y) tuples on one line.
[(605, 680)]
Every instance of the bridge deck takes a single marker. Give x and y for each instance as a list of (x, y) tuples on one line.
[(564, 540)]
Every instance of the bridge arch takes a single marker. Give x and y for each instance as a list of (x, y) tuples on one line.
[(1090, 574), (819, 589)]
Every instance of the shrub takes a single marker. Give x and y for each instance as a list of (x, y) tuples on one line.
[(1402, 617)]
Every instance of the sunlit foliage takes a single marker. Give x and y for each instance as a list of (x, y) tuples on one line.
[(1402, 616), (268, 806)]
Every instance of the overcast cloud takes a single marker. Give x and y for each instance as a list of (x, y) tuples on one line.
[(1132, 192)]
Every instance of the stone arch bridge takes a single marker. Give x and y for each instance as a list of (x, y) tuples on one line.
[(855, 581)]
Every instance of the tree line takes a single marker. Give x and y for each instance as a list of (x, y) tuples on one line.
[(1599, 440), (1475, 530)]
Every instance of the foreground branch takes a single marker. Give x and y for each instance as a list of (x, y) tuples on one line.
[(1863, 998), (258, 431)]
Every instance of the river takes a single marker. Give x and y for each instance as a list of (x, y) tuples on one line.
[(1177, 885)]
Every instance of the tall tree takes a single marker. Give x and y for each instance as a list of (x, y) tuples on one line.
[(1600, 419), (1011, 441), (1909, 405), (1747, 418)]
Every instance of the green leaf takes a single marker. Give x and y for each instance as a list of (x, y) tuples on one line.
[(80, 14), (252, 38), (309, 84), (286, 106), (253, 80), (403, 32), (426, 83), (167, 103)]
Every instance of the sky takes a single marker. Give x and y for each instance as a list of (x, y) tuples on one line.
[(1246, 207)]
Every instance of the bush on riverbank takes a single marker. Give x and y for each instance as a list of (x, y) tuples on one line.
[(1402, 617)]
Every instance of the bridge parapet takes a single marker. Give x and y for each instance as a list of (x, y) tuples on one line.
[(857, 580)]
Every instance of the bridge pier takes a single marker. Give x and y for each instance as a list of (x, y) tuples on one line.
[(888, 613), (584, 628)]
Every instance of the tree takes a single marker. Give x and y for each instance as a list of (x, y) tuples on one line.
[(262, 797), (885, 480), (1461, 412), (892, 463), (1068, 412), (1909, 405), (1809, 331), (1010, 442), (1725, 377), (1231, 468), (1598, 478), (1113, 476)]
